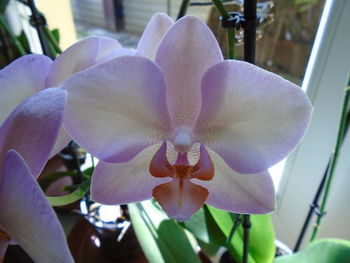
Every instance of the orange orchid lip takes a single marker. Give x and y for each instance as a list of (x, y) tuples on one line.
[(180, 198)]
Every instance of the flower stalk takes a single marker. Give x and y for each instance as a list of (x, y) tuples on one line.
[(250, 30), (39, 23), (333, 162), (183, 8), (237, 221), (230, 32), (52, 40), (246, 227), (249, 56)]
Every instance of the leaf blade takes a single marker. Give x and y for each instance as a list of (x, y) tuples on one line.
[(160, 238)]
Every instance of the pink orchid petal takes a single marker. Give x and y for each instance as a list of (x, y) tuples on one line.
[(32, 127), (81, 55), (238, 193), (154, 32), (123, 183), (118, 108), (118, 52), (180, 198), (62, 141), (252, 118), (27, 216), (184, 62), (22, 78)]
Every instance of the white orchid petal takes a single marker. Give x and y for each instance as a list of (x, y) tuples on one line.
[(22, 78), (251, 117), (118, 108), (128, 182), (185, 53), (154, 32)]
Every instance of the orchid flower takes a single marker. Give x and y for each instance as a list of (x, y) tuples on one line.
[(32, 73), (187, 128), (26, 140)]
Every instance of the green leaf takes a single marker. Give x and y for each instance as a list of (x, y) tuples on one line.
[(321, 251), (203, 226), (304, 8), (22, 38), (162, 239), (225, 222), (72, 197), (3, 4), (8, 33), (56, 34), (87, 173), (50, 178), (305, 1), (209, 249), (261, 232), (52, 40)]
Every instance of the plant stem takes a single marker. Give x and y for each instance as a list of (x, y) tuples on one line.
[(183, 8), (13, 38), (250, 31), (5, 46), (221, 9), (207, 3), (40, 29), (246, 227), (249, 56), (230, 32), (312, 209), (333, 163), (237, 221), (52, 40)]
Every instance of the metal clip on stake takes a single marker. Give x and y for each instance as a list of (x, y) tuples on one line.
[(37, 20), (237, 20)]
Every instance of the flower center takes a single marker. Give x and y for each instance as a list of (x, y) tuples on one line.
[(182, 171), (4, 236), (160, 166)]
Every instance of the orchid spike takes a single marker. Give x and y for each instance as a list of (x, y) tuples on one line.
[(187, 128), (26, 140), (32, 73)]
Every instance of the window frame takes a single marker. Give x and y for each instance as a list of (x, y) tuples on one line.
[(325, 80)]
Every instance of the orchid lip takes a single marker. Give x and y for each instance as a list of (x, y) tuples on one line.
[(180, 198)]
